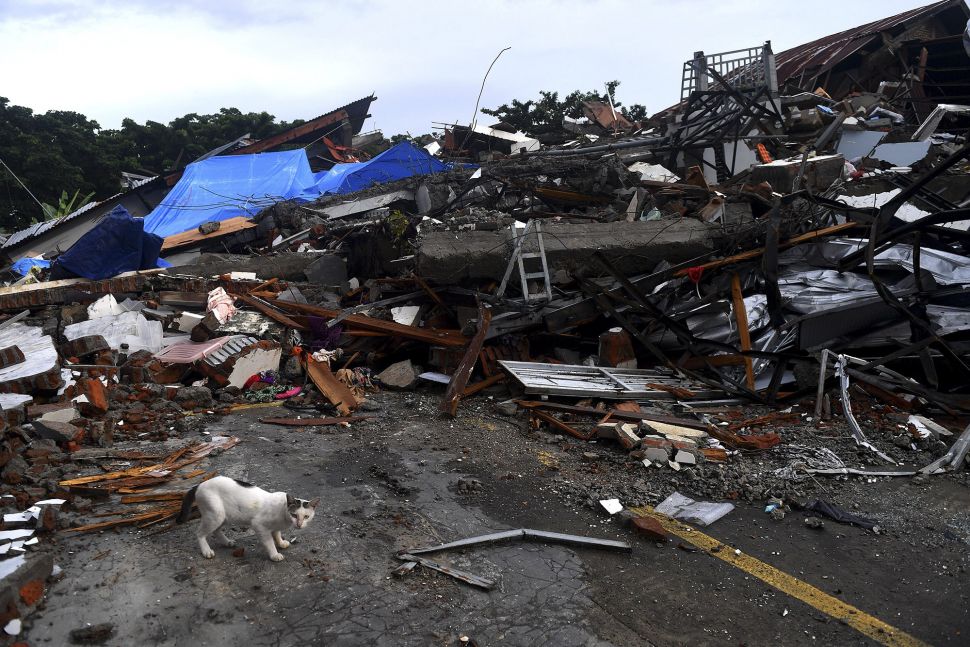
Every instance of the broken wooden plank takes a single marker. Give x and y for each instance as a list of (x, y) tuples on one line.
[(560, 425), (741, 316), (370, 324), (463, 373), (617, 414), (333, 389), (226, 228), (269, 311), (754, 253), (484, 384)]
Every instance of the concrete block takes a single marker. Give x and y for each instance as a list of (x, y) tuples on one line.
[(327, 269), (685, 458), (443, 256), (400, 375), (656, 454), (23, 584), (820, 173), (59, 432)]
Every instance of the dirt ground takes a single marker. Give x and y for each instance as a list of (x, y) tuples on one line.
[(393, 482)]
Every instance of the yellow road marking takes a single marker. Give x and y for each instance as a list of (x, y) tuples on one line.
[(859, 620)]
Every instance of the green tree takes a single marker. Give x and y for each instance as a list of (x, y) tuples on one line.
[(60, 152), (543, 117), (66, 204)]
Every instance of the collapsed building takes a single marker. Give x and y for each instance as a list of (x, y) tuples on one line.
[(792, 231)]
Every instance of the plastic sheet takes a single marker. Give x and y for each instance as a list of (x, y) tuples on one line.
[(24, 265), (117, 244), (224, 187), (396, 163)]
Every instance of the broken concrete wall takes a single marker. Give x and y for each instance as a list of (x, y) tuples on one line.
[(635, 247)]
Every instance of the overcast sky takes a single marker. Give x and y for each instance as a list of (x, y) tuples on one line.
[(157, 60)]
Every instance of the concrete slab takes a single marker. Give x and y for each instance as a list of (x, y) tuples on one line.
[(632, 246)]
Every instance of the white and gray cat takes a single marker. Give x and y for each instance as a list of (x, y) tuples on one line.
[(223, 500)]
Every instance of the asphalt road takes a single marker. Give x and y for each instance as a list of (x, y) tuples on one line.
[(392, 483)]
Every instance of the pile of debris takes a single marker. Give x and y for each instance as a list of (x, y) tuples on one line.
[(791, 233)]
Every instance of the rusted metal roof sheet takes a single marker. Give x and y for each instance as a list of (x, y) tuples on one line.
[(828, 51)]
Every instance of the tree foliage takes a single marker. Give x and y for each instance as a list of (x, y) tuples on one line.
[(65, 153), (544, 116), (66, 205)]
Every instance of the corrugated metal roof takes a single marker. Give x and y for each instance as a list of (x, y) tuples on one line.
[(826, 52), (43, 227)]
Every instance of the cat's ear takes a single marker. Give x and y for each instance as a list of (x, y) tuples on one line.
[(290, 500), (313, 504)]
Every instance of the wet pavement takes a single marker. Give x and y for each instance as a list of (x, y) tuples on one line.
[(393, 483)]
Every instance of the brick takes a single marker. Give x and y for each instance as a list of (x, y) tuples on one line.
[(656, 454), (48, 519), (680, 442), (32, 592), (84, 346), (656, 442), (95, 393), (10, 356), (616, 349), (650, 528), (626, 434)]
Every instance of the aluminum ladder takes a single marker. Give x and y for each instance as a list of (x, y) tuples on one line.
[(519, 259)]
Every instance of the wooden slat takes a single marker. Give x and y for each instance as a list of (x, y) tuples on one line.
[(427, 335), (741, 315), (226, 228)]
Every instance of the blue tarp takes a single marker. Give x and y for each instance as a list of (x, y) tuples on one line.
[(24, 265), (233, 185), (243, 185), (396, 163), (119, 243)]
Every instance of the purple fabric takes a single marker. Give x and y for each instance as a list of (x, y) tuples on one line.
[(324, 337)]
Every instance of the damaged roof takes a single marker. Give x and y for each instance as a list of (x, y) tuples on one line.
[(825, 53)]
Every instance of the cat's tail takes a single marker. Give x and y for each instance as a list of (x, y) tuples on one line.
[(187, 502)]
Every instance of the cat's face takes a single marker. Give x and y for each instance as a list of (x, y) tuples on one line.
[(301, 511)]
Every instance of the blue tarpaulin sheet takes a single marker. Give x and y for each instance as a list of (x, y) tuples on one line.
[(396, 163), (117, 244), (243, 185), (233, 185), (24, 265)]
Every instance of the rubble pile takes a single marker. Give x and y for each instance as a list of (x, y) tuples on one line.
[(781, 254)]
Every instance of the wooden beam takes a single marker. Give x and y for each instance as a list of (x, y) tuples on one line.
[(741, 315), (333, 389), (459, 380), (269, 311), (754, 253), (484, 384), (427, 335), (302, 130)]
